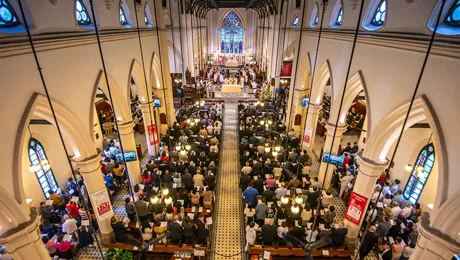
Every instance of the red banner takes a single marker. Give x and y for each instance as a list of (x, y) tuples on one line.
[(356, 208), (153, 134)]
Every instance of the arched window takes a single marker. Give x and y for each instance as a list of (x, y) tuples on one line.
[(8, 17), (314, 17), (295, 22), (379, 14), (44, 174), (147, 16), (123, 19), (81, 13), (231, 40), (453, 15), (417, 180), (337, 14)]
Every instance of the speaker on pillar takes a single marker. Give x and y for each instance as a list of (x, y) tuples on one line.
[(272, 82)]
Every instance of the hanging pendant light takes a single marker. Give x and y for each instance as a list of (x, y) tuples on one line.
[(284, 200), (295, 209), (178, 147), (165, 192), (298, 200), (408, 167), (188, 147), (275, 153), (154, 200), (34, 168), (168, 200)]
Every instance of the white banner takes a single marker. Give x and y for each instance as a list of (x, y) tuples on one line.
[(307, 135), (101, 202)]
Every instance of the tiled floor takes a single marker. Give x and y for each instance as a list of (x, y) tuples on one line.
[(227, 239), (118, 204)]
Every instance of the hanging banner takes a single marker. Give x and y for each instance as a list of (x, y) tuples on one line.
[(153, 134), (101, 200), (356, 208), (307, 135)]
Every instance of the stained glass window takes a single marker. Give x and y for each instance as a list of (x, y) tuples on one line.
[(123, 19), (8, 17), (339, 19), (231, 36), (81, 13), (314, 17), (147, 18), (45, 177), (417, 180), (295, 22), (379, 15), (453, 15)]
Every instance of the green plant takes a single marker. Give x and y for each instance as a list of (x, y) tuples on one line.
[(118, 254)]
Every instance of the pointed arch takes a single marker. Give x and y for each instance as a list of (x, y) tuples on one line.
[(314, 16), (121, 107), (77, 139), (242, 18), (387, 131), (355, 85), (137, 73), (155, 72), (321, 78), (304, 73), (288, 53)]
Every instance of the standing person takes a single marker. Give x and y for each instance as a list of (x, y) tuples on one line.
[(50, 246), (344, 181), (64, 247), (130, 210), (369, 242), (250, 195), (250, 235), (73, 188), (203, 231), (141, 207), (387, 253)]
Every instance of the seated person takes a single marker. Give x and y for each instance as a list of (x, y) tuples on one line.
[(324, 238), (146, 231), (64, 247), (338, 235), (159, 230), (69, 226), (50, 246), (84, 237), (121, 236)]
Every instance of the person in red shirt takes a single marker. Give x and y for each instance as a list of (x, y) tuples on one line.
[(346, 159), (164, 157), (146, 178), (72, 209)]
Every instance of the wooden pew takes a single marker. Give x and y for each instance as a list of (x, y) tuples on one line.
[(159, 249), (286, 251)]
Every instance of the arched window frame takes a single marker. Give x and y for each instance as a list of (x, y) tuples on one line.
[(337, 15), (45, 178), (416, 183), (314, 16), (18, 25), (295, 21), (148, 16), (124, 12), (87, 7), (445, 27), (372, 20), (228, 26)]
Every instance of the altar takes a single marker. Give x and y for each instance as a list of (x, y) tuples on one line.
[(231, 88), (231, 64)]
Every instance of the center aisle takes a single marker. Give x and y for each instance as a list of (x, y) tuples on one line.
[(228, 217)]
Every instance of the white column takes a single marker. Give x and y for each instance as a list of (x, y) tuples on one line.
[(430, 245), (24, 242), (369, 172), (311, 121), (126, 133), (327, 146), (91, 172), (147, 122)]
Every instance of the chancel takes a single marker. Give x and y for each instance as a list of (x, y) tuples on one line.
[(229, 129)]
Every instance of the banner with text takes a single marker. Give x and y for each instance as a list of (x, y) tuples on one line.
[(153, 134), (101, 201), (356, 208), (307, 134)]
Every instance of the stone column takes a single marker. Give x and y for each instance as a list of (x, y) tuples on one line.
[(433, 244), (327, 146), (147, 121), (311, 121), (24, 242), (369, 172), (126, 133), (91, 172), (163, 52)]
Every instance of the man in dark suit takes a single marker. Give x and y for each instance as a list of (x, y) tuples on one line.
[(387, 253), (212, 166), (338, 235), (155, 176), (313, 198), (187, 180), (203, 231), (269, 234), (176, 230), (369, 241), (244, 181)]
